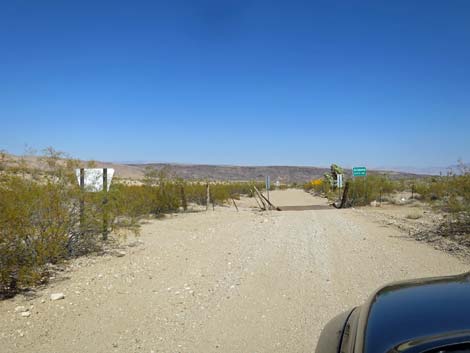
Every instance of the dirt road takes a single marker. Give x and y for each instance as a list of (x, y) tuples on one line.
[(221, 281)]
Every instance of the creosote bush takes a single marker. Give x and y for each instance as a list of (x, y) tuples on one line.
[(451, 195), (319, 186), (364, 190), (37, 219)]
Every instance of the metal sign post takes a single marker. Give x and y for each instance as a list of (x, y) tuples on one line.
[(339, 179), (105, 202), (81, 182), (92, 179), (95, 180), (339, 183), (360, 172)]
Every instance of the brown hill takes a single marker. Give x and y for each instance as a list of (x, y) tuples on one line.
[(285, 174)]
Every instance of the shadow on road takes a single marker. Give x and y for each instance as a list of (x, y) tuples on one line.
[(305, 208)]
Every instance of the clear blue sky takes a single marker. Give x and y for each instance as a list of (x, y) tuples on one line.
[(238, 82)]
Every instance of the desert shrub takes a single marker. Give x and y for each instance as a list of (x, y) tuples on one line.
[(167, 198), (3, 160), (322, 186), (220, 193), (432, 189), (404, 184), (41, 222), (35, 223), (442, 189), (164, 190), (319, 186), (364, 190), (308, 186), (133, 201), (196, 193), (451, 194)]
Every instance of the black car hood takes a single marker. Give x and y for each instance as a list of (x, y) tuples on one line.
[(404, 314)]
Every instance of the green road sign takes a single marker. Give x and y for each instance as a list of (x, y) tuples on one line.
[(359, 171)]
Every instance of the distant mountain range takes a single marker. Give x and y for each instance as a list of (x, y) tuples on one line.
[(285, 174), (454, 169)]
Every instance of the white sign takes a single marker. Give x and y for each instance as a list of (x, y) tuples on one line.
[(339, 179), (93, 178)]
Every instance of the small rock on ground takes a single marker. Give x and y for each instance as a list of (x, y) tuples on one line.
[(57, 296)]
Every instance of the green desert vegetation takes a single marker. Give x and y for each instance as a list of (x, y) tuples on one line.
[(448, 195), (42, 221), (361, 190), (364, 190)]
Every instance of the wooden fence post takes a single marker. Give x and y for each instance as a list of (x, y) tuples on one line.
[(344, 200), (234, 203), (265, 206), (82, 200), (268, 204), (105, 202), (256, 198), (184, 203)]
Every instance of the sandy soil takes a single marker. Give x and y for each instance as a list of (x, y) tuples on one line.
[(420, 222), (221, 281)]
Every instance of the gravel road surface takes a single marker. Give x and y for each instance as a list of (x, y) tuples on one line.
[(220, 281)]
